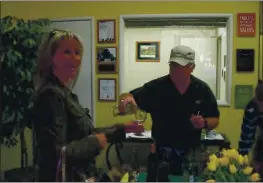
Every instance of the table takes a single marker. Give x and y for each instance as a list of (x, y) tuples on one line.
[(144, 145)]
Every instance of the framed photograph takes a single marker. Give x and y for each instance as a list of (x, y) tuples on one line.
[(106, 60), (106, 31), (148, 51), (245, 60), (107, 89)]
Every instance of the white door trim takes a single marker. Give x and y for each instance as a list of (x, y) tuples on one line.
[(122, 19), (93, 75)]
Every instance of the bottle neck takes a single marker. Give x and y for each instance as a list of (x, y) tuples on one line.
[(153, 148)]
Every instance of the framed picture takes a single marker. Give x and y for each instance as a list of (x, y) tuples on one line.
[(147, 51), (245, 60), (107, 89), (106, 31), (106, 60)]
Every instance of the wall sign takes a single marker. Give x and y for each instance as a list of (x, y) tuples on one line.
[(245, 60), (246, 24), (243, 94)]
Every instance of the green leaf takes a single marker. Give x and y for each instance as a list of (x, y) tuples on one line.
[(29, 43), (19, 116), (23, 75), (2, 57), (4, 89), (9, 118), (29, 75), (10, 56), (17, 55)]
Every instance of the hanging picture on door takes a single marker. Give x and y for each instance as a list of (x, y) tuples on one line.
[(106, 31), (107, 89), (106, 60)]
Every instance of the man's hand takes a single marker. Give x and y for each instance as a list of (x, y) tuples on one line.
[(198, 122), (124, 100), (101, 139)]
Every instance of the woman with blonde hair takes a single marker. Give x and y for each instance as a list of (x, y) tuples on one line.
[(59, 121)]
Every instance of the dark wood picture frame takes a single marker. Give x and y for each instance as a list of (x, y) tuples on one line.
[(107, 59), (107, 40), (245, 60), (140, 58), (100, 98)]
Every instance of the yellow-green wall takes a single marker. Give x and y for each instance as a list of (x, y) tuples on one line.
[(230, 118)]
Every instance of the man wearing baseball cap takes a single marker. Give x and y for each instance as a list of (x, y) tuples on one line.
[(180, 105)]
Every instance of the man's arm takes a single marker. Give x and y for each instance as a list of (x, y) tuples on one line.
[(142, 96), (248, 130), (211, 112)]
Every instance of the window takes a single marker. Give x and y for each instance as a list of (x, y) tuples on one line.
[(209, 35)]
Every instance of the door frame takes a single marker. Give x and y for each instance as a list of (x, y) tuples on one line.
[(93, 75), (218, 65), (123, 18)]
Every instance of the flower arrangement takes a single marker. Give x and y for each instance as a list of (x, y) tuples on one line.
[(229, 166)]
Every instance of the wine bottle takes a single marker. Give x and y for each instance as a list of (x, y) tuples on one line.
[(152, 165), (135, 163), (163, 168), (193, 168)]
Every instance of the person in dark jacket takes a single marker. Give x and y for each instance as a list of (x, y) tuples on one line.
[(59, 121), (253, 120)]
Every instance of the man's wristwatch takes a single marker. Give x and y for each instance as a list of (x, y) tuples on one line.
[(206, 124)]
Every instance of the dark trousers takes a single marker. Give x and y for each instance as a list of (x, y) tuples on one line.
[(175, 158)]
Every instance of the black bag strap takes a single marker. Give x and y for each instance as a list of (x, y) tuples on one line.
[(118, 146)]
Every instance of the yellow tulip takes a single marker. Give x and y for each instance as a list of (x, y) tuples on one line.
[(232, 168), (211, 166), (213, 158), (211, 180), (247, 170), (255, 177), (246, 161), (233, 154), (224, 152), (224, 161), (125, 178), (240, 159)]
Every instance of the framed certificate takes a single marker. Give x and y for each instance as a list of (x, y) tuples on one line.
[(106, 31), (107, 89)]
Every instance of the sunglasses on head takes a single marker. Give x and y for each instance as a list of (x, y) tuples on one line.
[(52, 34)]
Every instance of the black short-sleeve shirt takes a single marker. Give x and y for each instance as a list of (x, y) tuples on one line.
[(171, 111)]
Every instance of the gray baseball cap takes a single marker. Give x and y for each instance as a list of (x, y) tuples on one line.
[(182, 55)]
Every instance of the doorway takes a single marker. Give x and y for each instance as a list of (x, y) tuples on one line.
[(84, 87), (167, 29)]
